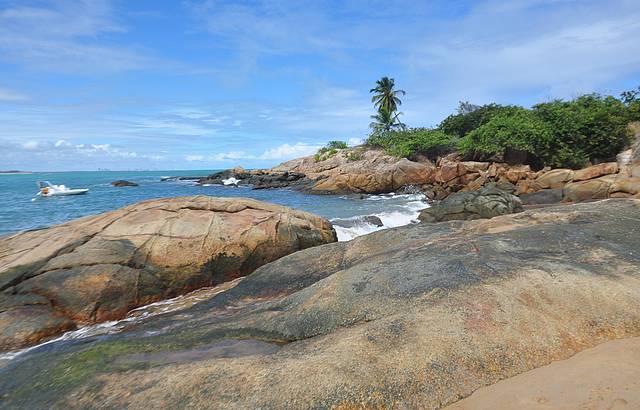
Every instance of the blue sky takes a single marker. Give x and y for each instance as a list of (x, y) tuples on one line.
[(127, 84)]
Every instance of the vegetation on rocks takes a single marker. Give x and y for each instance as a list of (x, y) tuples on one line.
[(329, 150), (591, 128), (408, 143)]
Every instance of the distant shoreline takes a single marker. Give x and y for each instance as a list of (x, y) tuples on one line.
[(14, 172)]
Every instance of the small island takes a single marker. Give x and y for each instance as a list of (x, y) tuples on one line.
[(14, 171)]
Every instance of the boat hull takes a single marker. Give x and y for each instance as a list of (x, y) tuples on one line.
[(67, 192)]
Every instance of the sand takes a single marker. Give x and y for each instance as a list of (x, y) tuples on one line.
[(604, 377)]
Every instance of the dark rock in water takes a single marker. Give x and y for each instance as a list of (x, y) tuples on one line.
[(171, 179), (486, 202), (413, 317), (121, 183), (542, 197), (99, 268), (260, 180), (351, 222)]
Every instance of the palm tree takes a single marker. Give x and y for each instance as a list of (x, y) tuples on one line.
[(386, 121), (385, 96)]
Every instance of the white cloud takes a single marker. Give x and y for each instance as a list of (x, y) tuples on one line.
[(231, 156), (286, 151), (64, 36), (192, 158), (355, 142)]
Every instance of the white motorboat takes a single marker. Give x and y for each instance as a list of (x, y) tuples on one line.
[(48, 189)]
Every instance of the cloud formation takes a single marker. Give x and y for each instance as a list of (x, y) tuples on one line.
[(257, 82)]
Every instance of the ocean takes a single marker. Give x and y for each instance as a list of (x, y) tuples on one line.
[(20, 211)]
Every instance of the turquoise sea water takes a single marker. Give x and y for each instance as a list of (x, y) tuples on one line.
[(19, 212)]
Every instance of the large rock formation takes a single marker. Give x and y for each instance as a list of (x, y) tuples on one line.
[(369, 171), (413, 317), (487, 202), (100, 267)]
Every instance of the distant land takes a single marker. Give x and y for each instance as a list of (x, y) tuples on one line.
[(15, 172)]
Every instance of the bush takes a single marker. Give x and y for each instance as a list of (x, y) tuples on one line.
[(408, 143), (329, 150), (518, 130), (632, 100), (468, 119), (589, 128), (337, 145)]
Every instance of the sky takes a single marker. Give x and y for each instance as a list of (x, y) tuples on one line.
[(149, 84)]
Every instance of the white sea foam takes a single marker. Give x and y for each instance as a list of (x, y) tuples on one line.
[(403, 213), (230, 181)]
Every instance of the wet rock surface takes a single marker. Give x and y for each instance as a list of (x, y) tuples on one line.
[(413, 317), (123, 183), (100, 267)]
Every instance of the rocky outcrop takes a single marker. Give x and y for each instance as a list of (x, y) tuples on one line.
[(123, 183), (542, 197), (260, 179), (368, 171), (413, 317), (98, 268), (487, 202)]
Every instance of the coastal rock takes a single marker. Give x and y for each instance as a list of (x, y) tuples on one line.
[(597, 188), (542, 197), (555, 178), (527, 186), (100, 267), (629, 186), (352, 222), (414, 317), (595, 171), (374, 172), (122, 183), (487, 202)]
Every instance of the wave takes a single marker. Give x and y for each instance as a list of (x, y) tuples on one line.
[(406, 212)]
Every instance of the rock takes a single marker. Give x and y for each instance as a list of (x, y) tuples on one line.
[(626, 185), (475, 184), (595, 171), (98, 268), (505, 186), (542, 197), (414, 317), (449, 170), (375, 173), (351, 222), (555, 178), (623, 160), (474, 166), (527, 186), (516, 173), (586, 190), (121, 183), (487, 202)]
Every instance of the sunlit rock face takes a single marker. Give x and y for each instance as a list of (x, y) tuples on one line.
[(100, 267)]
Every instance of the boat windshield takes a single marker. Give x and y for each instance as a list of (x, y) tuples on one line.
[(44, 184)]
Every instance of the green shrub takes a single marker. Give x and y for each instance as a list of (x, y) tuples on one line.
[(337, 145), (632, 100), (589, 128), (468, 119), (329, 150), (408, 143), (518, 130)]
